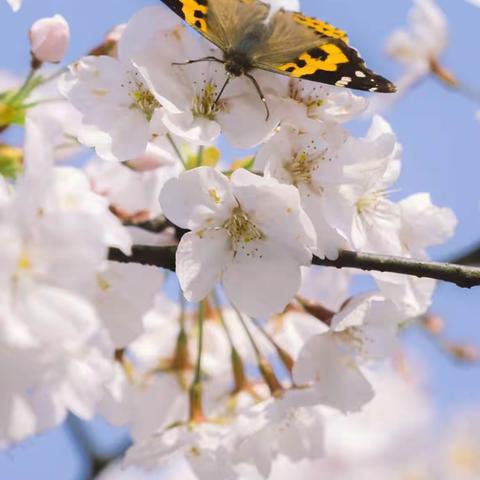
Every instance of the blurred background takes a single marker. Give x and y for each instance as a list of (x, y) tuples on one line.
[(441, 138)]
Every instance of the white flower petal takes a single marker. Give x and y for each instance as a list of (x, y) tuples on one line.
[(336, 378), (424, 224), (201, 260), (262, 279), (122, 313), (206, 199)]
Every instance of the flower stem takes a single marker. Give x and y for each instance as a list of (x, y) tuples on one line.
[(266, 370), (181, 360), (284, 356), (24, 85), (316, 309), (176, 150), (54, 75), (196, 406), (238, 368)]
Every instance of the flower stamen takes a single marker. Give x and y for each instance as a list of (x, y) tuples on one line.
[(241, 229), (302, 167), (205, 104), (369, 202), (144, 100)]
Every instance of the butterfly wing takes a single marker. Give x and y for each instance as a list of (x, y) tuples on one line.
[(220, 21), (194, 12), (303, 47), (320, 27)]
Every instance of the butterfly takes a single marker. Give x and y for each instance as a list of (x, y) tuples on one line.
[(288, 43)]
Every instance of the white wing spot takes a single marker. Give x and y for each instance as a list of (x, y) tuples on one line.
[(360, 74), (343, 82)]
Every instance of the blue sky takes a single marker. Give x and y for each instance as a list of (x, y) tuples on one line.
[(441, 140)]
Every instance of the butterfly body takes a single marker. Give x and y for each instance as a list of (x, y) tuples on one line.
[(239, 58), (288, 43)]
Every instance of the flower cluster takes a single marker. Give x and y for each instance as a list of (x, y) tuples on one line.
[(311, 187), (260, 350), (393, 438)]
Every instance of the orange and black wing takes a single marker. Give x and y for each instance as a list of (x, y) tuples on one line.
[(194, 12), (320, 27), (223, 22), (311, 49)]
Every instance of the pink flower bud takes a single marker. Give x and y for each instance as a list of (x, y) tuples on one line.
[(49, 39)]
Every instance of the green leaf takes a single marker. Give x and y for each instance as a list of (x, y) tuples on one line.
[(10, 161), (13, 103)]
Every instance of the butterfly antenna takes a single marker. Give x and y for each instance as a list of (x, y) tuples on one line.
[(260, 93), (204, 59), (227, 81)]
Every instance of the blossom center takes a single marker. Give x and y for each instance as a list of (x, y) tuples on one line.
[(301, 168), (24, 266), (144, 100), (24, 262), (296, 93), (205, 104), (353, 337), (369, 202), (241, 229)]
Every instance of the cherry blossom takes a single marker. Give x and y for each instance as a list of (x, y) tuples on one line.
[(119, 112), (360, 208), (423, 225), (364, 329), (423, 41), (312, 164), (55, 251), (132, 190), (247, 362), (239, 228), (278, 428), (308, 103), (189, 93)]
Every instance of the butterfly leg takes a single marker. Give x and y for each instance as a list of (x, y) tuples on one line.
[(204, 59), (227, 81), (260, 93)]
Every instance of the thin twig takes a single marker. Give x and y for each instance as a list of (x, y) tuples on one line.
[(463, 276), (196, 400)]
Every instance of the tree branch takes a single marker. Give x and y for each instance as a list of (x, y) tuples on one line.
[(463, 276), (146, 255)]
